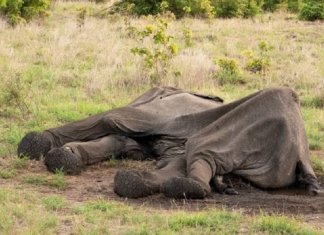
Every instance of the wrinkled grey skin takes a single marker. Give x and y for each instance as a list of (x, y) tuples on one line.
[(196, 139)]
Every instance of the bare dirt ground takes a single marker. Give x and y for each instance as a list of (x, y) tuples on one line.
[(97, 182)]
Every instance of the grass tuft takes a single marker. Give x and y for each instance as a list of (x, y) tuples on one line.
[(281, 225), (54, 202), (318, 164), (7, 174), (213, 222), (56, 181)]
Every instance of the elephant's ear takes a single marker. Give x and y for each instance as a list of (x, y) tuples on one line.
[(209, 97)]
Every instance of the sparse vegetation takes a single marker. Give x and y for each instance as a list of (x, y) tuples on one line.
[(54, 202), (157, 49), (56, 181), (229, 72), (281, 225), (7, 174), (22, 212), (317, 164), (259, 61)]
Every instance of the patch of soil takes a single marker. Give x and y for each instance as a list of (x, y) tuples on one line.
[(97, 182)]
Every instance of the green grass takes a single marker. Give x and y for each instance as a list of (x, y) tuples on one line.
[(100, 214), (318, 164), (314, 101), (218, 222), (282, 225), (7, 174), (54, 202), (56, 181), (19, 162), (314, 119), (21, 213), (33, 213)]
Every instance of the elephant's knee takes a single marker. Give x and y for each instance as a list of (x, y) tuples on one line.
[(63, 159)]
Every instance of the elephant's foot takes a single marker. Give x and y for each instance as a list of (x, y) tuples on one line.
[(222, 187), (180, 187), (63, 159), (130, 184), (33, 145), (313, 188)]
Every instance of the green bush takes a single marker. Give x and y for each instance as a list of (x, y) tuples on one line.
[(156, 49), (312, 10), (23, 10), (249, 8), (259, 62), (138, 7), (229, 72), (293, 5), (179, 8), (308, 9), (269, 5), (227, 8)]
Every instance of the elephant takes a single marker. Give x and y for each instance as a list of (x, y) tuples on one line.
[(196, 140)]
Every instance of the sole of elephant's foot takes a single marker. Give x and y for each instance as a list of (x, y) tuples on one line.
[(131, 185), (180, 187), (63, 159), (33, 145)]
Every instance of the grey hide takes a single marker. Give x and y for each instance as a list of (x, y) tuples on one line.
[(197, 139)]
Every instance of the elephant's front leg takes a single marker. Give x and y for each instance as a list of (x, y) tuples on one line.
[(135, 184), (72, 157)]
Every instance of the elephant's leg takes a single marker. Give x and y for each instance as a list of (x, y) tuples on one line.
[(125, 121), (194, 186), (35, 144), (135, 184), (306, 176), (223, 187), (72, 157)]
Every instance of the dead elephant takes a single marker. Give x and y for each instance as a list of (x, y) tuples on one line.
[(197, 139)]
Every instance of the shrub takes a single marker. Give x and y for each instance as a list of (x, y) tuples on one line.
[(187, 35), (156, 49), (312, 10), (260, 61), (293, 5), (23, 10), (269, 5), (249, 8), (227, 8), (179, 8), (229, 72)]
